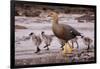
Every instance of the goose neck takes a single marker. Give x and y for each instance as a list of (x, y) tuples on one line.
[(55, 20)]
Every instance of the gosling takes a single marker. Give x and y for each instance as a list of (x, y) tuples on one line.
[(87, 41), (47, 39), (36, 40)]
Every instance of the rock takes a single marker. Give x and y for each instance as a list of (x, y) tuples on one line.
[(20, 27)]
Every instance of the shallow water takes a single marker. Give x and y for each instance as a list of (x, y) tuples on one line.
[(26, 49)]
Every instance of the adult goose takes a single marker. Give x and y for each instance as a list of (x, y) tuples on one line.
[(63, 32)]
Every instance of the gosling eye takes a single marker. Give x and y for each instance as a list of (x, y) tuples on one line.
[(31, 34)]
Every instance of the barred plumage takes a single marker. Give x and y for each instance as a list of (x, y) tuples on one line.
[(47, 39), (36, 40)]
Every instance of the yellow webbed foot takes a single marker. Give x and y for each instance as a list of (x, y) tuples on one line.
[(67, 49)]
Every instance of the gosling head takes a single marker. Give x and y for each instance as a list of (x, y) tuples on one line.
[(42, 32), (87, 39), (31, 34)]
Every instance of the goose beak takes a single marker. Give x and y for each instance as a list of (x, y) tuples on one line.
[(48, 15)]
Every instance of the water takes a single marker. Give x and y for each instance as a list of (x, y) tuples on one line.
[(26, 49)]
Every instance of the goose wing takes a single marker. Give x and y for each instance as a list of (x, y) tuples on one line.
[(70, 30)]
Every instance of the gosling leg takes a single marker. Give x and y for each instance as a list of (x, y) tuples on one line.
[(47, 46), (88, 47), (38, 50)]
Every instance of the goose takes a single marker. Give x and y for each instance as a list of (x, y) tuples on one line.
[(62, 31)]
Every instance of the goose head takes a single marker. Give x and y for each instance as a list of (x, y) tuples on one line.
[(54, 16)]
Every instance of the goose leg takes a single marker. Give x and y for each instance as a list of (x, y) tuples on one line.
[(72, 44), (77, 45), (69, 44)]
